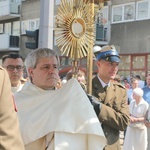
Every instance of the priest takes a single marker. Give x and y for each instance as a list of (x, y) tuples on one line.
[(55, 119)]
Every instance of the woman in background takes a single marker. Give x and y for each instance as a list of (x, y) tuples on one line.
[(136, 134)]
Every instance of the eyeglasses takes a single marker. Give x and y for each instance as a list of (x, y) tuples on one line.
[(12, 68)]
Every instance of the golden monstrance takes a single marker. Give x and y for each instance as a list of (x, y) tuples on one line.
[(75, 30)]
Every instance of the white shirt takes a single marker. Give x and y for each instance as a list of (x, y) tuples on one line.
[(102, 82), (16, 89)]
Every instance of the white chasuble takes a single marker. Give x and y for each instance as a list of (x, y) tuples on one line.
[(66, 113)]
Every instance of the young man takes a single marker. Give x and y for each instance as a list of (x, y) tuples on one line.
[(112, 110), (55, 119), (10, 138), (13, 63)]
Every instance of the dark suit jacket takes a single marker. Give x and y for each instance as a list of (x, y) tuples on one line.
[(10, 137), (114, 114)]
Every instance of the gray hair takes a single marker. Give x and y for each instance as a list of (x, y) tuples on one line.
[(138, 91), (33, 57)]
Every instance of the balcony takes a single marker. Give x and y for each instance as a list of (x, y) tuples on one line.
[(9, 10), (102, 34), (10, 42)]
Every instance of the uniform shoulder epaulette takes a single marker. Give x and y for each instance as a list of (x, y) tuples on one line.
[(119, 84)]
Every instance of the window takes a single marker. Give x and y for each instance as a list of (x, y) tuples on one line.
[(1, 28), (142, 10), (138, 62), (30, 25), (129, 11), (16, 28), (37, 24), (102, 24), (24, 27), (102, 16), (125, 62), (139, 10), (117, 14), (33, 24), (124, 12), (7, 28)]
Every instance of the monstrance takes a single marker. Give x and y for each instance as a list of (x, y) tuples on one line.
[(75, 30)]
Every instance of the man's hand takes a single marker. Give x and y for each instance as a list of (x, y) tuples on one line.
[(96, 104)]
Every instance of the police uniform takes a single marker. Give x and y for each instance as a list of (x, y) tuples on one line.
[(10, 138), (114, 111)]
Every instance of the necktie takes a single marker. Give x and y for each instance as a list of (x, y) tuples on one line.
[(103, 96), (105, 88)]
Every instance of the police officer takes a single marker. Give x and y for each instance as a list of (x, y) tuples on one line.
[(112, 109)]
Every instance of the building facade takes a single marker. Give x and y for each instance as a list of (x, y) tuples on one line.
[(29, 20), (9, 25), (130, 33), (124, 24)]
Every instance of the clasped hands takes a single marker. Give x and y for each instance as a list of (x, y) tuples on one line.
[(133, 119)]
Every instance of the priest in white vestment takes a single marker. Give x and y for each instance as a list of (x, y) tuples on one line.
[(50, 119), (64, 117)]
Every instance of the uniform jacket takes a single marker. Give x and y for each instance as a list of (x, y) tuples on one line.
[(10, 138), (114, 114)]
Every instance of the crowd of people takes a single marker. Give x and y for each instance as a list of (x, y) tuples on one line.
[(57, 114)]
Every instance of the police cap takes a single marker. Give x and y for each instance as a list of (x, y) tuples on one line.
[(108, 53)]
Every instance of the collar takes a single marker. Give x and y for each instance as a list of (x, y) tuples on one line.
[(102, 82)]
